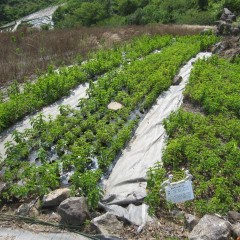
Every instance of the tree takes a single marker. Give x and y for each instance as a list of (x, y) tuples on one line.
[(90, 13)]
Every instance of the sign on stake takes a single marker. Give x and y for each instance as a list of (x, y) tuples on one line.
[(180, 191)]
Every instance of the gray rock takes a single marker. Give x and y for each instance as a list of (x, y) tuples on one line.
[(226, 11), (138, 215), (191, 221), (211, 227), (233, 216), (107, 224), (118, 211), (235, 31), (224, 28), (2, 187), (54, 198), (23, 209), (74, 211), (236, 229), (177, 80), (228, 15), (27, 209)]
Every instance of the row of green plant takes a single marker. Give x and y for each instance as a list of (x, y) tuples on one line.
[(56, 84), (206, 144), (93, 132)]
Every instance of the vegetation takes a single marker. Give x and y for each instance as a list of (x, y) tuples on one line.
[(11, 10), (56, 84), (27, 53), (206, 144), (119, 12), (95, 133)]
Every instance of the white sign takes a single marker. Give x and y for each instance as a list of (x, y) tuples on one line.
[(179, 192)]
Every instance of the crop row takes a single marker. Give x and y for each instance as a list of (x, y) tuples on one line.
[(93, 133), (56, 84), (207, 144)]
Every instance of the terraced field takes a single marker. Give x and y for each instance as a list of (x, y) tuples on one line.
[(204, 136), (81, 143)]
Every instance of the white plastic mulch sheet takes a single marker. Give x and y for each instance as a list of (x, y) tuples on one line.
[(127, 182), (53, 110)]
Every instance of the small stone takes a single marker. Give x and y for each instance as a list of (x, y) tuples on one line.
[(54, 198), (33, 212), (236, 229), (191, 221), (233, 216), (23, 209), (115, 106), (2, 187), (107, 224), (177, 80)]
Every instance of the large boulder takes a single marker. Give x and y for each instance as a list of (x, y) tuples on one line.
[(107, 224), (74, 211), (211, 227), (54, 198)]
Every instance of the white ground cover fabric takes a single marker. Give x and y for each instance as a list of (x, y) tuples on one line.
[(20, 234), (53, 110), (127, 181)]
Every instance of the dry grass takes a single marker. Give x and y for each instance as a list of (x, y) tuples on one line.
[(25, 53)]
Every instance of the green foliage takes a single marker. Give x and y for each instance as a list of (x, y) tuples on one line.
[(54, 85), (142, 12), (11, 10), (208, 145), (95, 133)]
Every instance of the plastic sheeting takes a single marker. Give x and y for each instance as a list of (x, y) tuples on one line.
[(53, 110), (20, 234), (127, 182)]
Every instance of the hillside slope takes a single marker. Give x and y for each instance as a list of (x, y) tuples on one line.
[(10, 10), (118, 12)]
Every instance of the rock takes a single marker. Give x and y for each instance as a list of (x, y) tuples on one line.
[(27, 209), (107, 224), (33, 212), (118, 211), (233, 216), (177, 80), (191, 221), (23, 209), (235, 31), (54, 198), (74, 211), (231, 54), (236, 229), (212, 228), (224, 28), (138, 215), (2, 187), (114, 106), (228, 15)]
